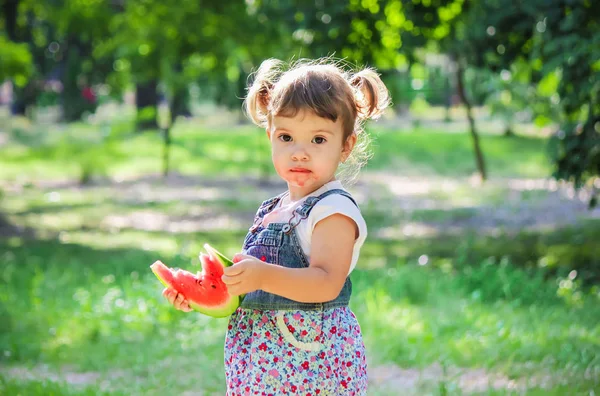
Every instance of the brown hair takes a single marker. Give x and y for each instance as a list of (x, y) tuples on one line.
[(323, 87)]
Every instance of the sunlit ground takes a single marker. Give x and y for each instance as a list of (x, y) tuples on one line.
[(462, 288)]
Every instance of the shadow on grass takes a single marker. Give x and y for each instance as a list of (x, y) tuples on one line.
[(555, 252), (8, 229), (12, 386)]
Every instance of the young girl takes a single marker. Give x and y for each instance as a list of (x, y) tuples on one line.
[(294, 333)]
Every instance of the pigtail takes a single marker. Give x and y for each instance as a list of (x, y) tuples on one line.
[(370, 94), (257, 101)]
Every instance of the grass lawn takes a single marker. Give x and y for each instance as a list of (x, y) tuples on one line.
[(244, 150), (82, 313), (99, 311)]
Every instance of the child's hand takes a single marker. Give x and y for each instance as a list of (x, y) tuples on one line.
[(245, 275), (177, 299)]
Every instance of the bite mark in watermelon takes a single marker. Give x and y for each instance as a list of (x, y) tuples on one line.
[(205, 291)]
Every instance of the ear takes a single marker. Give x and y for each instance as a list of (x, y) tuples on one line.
[(348, 146), (268, 130)]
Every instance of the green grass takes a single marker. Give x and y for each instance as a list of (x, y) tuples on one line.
[(420, 316), (45, 387), (437, 153), (77, 298), (99, 310), (78, 150), (551, 253)]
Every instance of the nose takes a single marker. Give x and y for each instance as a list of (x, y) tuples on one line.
[(300, 153)]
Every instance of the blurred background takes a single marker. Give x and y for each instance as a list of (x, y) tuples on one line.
[(122, 141)]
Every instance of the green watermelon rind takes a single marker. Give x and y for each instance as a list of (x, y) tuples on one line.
[(218, 312), (223, 260), (153, 268)]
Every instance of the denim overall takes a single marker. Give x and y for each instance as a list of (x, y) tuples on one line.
[(278, 244)]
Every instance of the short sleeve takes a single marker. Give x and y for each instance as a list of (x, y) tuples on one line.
[(334, 204)]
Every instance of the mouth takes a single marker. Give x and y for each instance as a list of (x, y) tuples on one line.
[(299, 170)]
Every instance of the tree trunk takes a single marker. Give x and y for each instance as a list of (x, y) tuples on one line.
[(24, 98), (146, 101), (77, 96), (10, 9), (448, 98), (180, 103), (463, 97), (174, 107), (166, 150)]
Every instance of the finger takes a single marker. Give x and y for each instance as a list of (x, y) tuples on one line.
[(234, 269), (170, 295), (182, 306), (230, 280), (240, 256), (180, 299)]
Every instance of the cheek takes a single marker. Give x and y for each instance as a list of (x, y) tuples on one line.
[(278, 159), (335, 155), (274, 150)]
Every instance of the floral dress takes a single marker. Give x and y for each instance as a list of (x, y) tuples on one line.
[(295, 353)]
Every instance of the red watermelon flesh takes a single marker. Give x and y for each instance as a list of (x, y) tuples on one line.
[(205, 291)]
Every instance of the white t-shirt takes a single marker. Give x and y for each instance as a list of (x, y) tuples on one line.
[(332, 204)]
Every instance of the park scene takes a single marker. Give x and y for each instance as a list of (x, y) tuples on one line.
[(123, 141)]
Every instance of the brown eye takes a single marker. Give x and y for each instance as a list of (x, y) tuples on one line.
[(319, 140), (285, 138)]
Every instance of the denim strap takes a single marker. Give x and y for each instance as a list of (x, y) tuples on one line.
[(265, 208), (305, 209)]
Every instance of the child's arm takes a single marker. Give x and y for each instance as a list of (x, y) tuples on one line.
[(331, 255)]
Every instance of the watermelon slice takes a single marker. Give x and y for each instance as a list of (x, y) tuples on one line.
[(205, 291)]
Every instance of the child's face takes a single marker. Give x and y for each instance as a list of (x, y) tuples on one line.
[(306, 150)]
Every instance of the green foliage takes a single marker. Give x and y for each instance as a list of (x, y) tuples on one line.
[(118, 45), (512, 97), (419, 106), (177, 44), (556, 38), (577, 153), (361, 32), (431, 83), (15, 62)]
